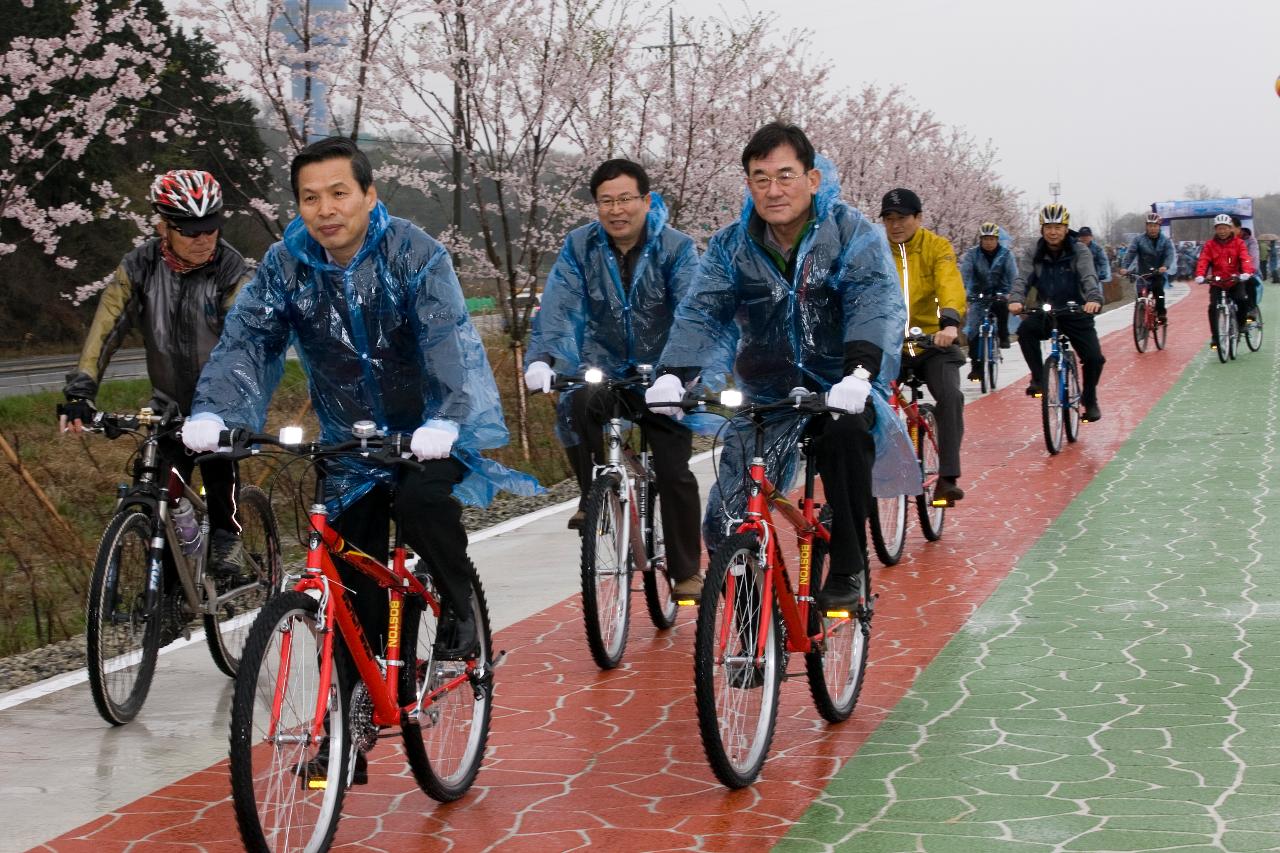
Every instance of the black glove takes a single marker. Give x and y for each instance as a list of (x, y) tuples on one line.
[(77, 409)]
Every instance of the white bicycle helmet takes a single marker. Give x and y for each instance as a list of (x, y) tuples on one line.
[(1222, 219), (186, 194)]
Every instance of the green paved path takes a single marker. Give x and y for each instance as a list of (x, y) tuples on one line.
[(1121, 688)]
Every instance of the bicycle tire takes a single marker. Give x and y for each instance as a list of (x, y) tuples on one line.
[(888, 548), (736, 697), (984, 353), (227, 629), (1253, 334), (993, 363), (445, 743), (1161, 332), (1224, 332), (606, 573), (1051, 407), (658, 599), (276, 783), (1233, 334), (932, 518), (837, 666), (122, 639), (1071, 405), (1140, 330)]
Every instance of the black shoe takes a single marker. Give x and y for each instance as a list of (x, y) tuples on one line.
[(975, 373), (576, 520), (1004, 342), (457, 639), (227, 558), (840, 592), (1091, 413), (317, 769), (947, 490), (1034, 389)]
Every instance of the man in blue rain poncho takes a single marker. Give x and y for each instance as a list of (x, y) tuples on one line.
[(373, 307), (608, 304), (800, 291)]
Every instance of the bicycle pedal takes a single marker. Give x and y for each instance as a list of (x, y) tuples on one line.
[(317, 783), (687, 602), (842, 613), (942, 502)]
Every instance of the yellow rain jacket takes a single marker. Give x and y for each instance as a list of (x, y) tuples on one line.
[(934, 288)]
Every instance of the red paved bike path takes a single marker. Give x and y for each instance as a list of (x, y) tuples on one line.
[(579, 758)]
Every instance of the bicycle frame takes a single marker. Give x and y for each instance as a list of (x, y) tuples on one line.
[(762, 495)]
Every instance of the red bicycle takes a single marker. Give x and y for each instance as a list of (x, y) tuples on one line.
[(750, 618), (1146, 324), (299, 718)]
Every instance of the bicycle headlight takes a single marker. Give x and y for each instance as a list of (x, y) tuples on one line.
[(593, 376), (1046, 307), (731, 398), (291, 435)]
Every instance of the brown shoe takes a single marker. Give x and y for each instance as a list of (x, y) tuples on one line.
[(687, 591), (575, 520)]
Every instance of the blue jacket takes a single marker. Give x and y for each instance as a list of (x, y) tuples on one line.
[(387, 339), (743, 316), (1152, 254), (1100, 263), (983, 276)]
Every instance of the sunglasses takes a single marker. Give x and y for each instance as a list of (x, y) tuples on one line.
[(193, 231)]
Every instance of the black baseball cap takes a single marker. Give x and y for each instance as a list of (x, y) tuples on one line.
[(900, 201), (1085, 231)]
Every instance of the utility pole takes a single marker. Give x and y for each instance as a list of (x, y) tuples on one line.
[(1055, 188), (670, 47)]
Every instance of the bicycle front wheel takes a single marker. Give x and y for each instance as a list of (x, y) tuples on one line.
[(984, 353), (606, 572), (289, 771), (994, 358), (227, 628), (1140, 330), (1161, 332), (837, 663), (1071, 403), (657, 583), (736, 671), (1223, 318), (1233, 334), (1051, 406), (123, 637), (452, 702), (1253, 334), (931, 517), (889, 528)]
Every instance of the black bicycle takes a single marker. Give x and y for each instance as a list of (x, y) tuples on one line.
[(986, 349), (161, 521)]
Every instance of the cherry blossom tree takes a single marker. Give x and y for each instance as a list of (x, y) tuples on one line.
[(59, 97)]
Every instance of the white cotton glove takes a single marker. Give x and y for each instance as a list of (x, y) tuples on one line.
[(200, 432), (1199, 279), (667, 389), (1244, 276), (849, 394), (433, 440), (539, 376)]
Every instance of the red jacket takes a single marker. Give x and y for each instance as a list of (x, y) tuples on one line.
[(1228, 259)]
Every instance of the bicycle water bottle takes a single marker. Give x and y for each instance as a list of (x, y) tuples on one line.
[(186, 526)]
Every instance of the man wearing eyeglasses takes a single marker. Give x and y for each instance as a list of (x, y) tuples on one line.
[(934, 290), (800, 291), (176, 288), (608, 304)]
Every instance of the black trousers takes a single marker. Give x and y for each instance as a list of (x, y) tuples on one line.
[(218, 477), (845, 452), (672, 445), (1156, 285), (940, 370), (1080, 330), (431, 519)]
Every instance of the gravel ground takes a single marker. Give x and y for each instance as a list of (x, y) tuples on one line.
[(36, 665)]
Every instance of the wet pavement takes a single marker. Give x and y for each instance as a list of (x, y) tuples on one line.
[(1085, 661)]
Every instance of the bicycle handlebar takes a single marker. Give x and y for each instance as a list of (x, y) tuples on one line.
[(800, 399), (389, 449)]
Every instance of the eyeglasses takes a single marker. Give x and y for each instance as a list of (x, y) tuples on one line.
[(761, 183), (621, 201)]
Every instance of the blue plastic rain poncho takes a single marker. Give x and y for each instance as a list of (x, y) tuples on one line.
[(986, 276), (590, 318), (743, 316), (386, 339), (1100, 263)]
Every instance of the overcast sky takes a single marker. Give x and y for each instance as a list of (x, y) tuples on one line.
[(1125, 101)]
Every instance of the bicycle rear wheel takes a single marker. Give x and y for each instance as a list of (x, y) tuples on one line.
[(1253, 334), (736, 672), (227, 629), (888, 528), (657, 583), (123, 638), (1140, 330), (1223, 319), (837, 664), (606, 572), (1071, 403), (288, 781), (1051, 406), (931, 517), (445, 740)]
